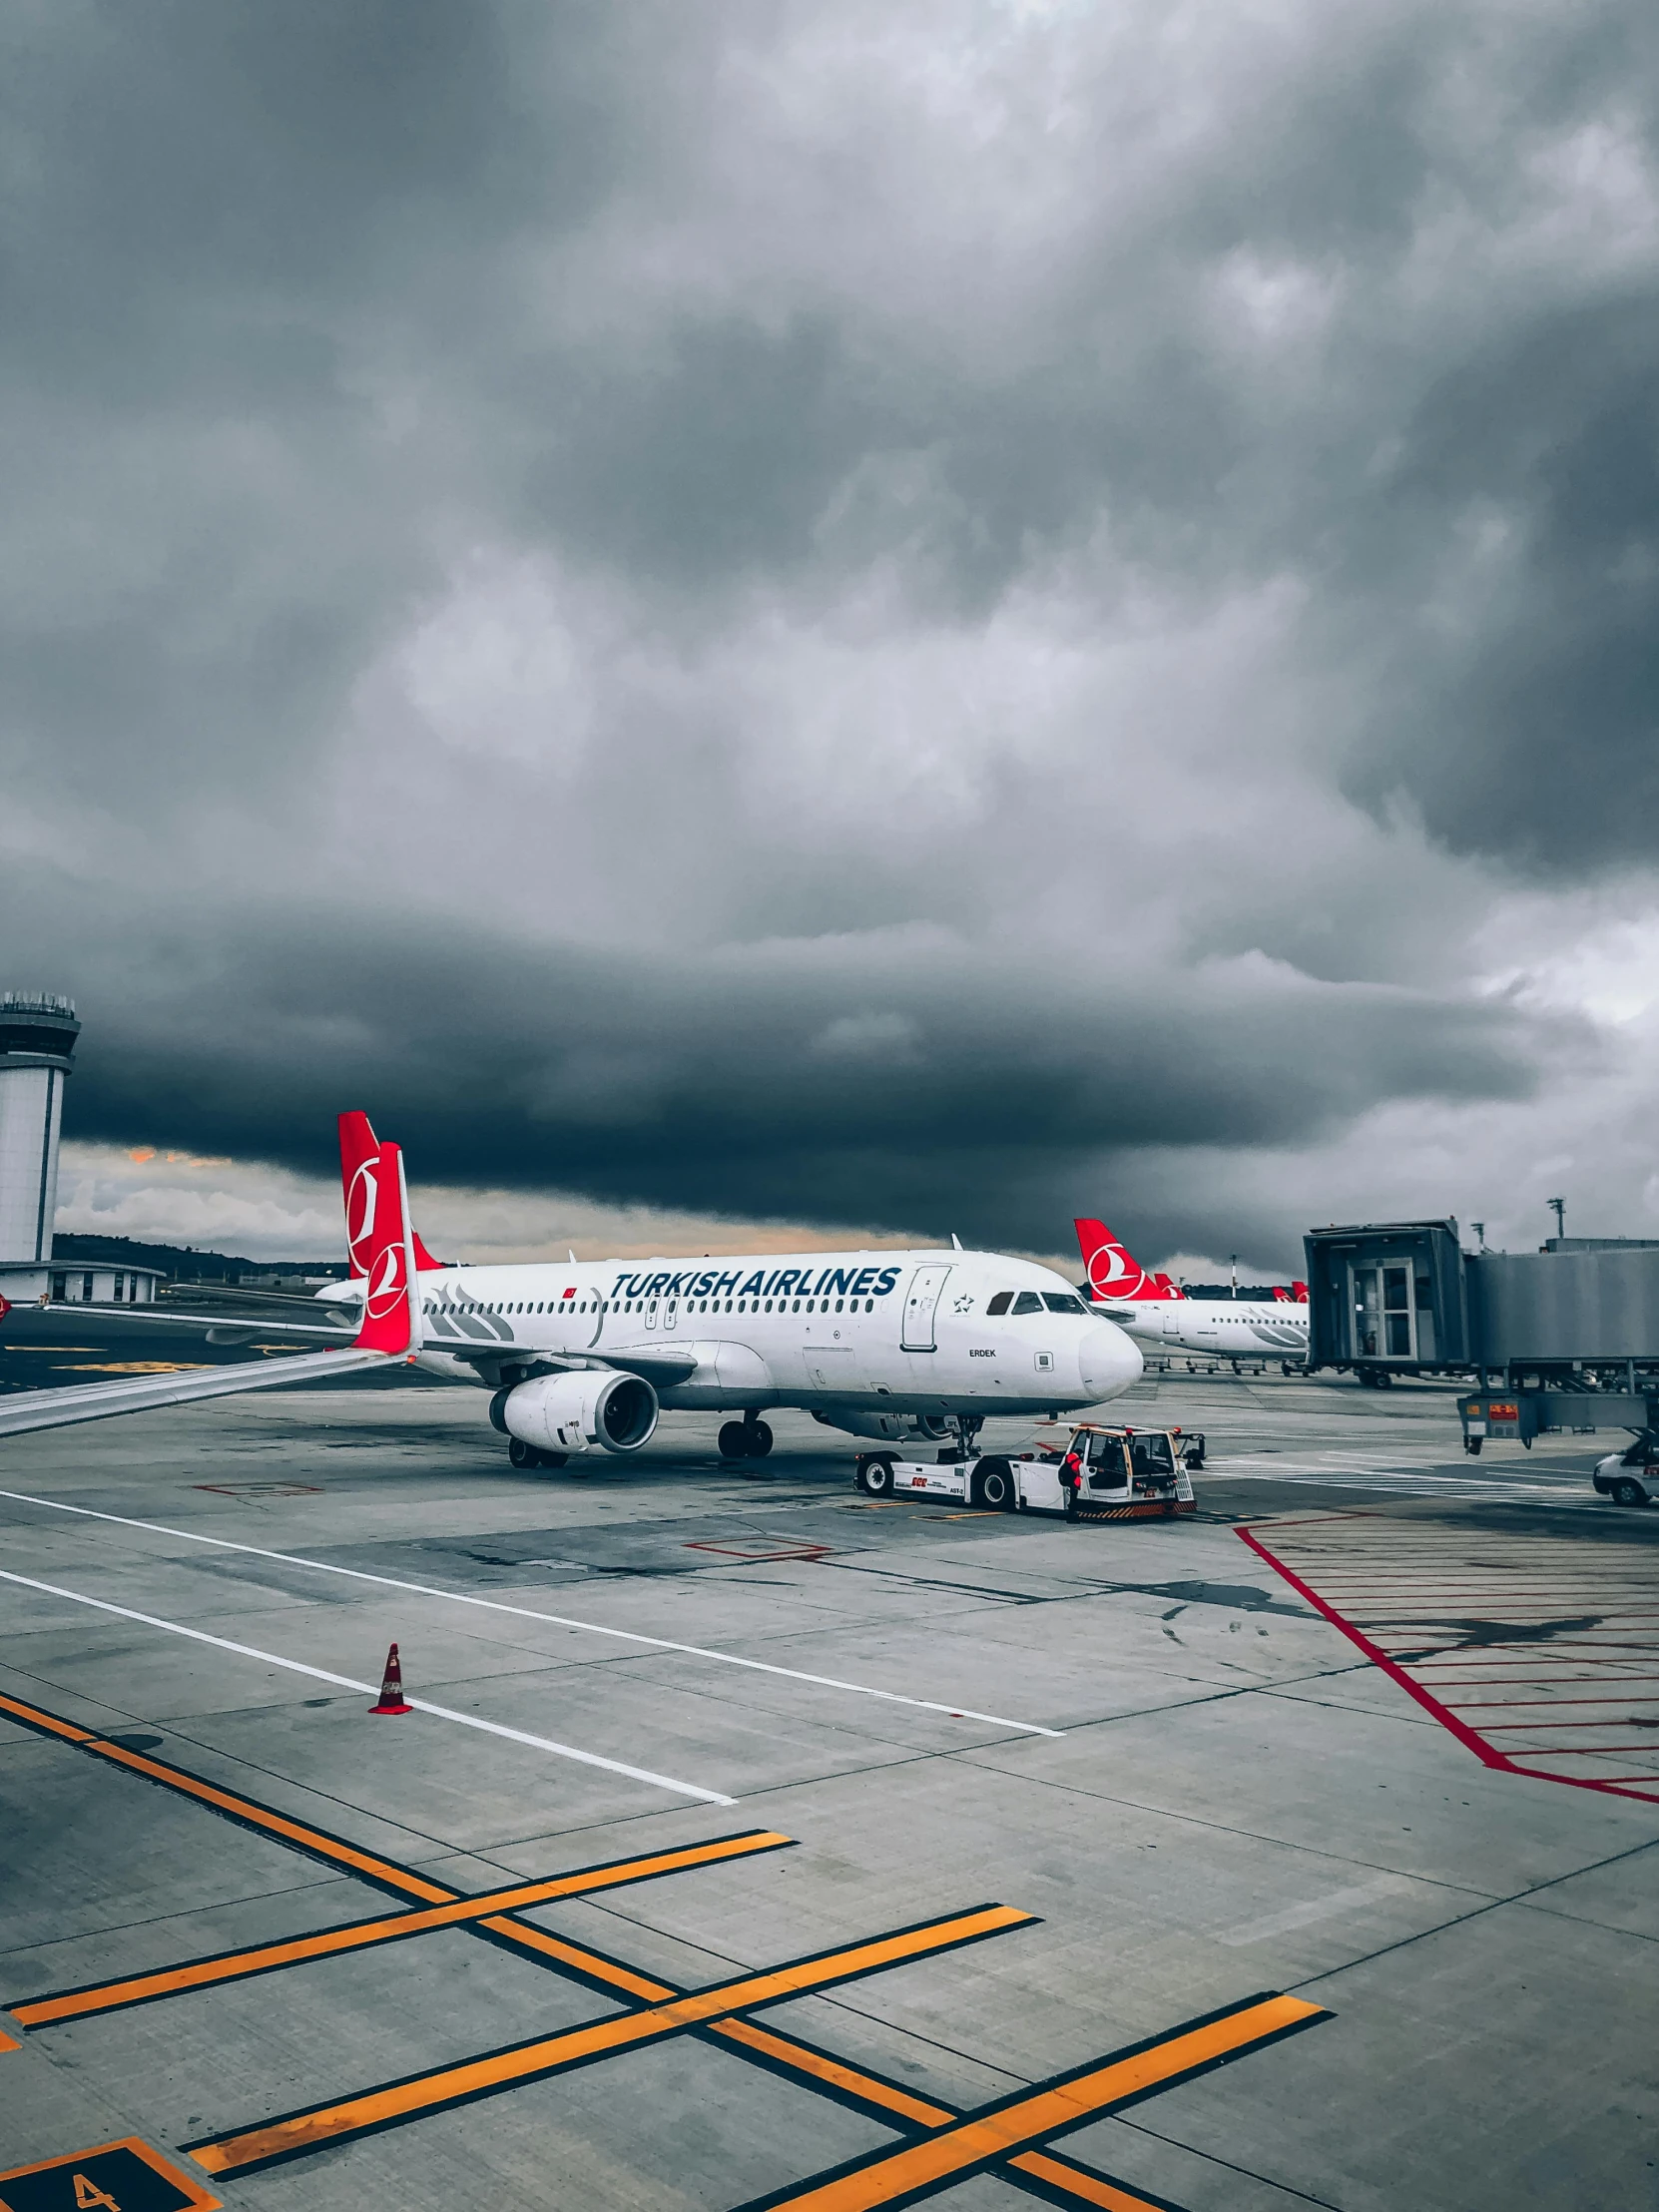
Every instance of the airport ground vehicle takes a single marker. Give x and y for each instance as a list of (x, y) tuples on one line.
[(1079, 1468), (1631, 1476)]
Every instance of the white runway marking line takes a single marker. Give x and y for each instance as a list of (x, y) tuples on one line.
[(1314, 1909), (556, 1620), (370, 1689)]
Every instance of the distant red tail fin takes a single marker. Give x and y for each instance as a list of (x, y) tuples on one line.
[(360, 1149), (390, 1309), (1298, 1291), (1112, 1270)]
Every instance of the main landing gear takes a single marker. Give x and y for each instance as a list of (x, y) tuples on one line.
[(748, 1439)]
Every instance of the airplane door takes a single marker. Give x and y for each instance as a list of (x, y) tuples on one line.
[(920, 1303)]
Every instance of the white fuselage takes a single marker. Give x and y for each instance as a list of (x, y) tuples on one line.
[(1223, 1328), (861, 1331)]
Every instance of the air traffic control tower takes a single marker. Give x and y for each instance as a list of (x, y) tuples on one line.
[(38, 1033), (38, 1030)]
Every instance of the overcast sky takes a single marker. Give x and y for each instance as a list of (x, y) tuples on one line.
[(868, 619)]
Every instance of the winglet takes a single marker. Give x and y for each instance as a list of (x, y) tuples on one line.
[(391, 1294), (359, 1148)]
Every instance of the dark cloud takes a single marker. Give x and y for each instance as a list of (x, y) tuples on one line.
[(812, 613), (839, 1083), (1546, 746)]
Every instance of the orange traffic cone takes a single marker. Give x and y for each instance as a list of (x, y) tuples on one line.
[(392, 1699)]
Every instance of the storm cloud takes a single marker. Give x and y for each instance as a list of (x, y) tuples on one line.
[(883, 619)]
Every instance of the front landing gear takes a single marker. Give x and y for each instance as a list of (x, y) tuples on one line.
[(521, 1455), (748, 1439)]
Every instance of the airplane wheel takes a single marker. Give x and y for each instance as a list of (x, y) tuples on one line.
[(1472, 1444), (733, 1441), (552, 1458), (994, 1485), (521, 1455), (759, 1440), (879, 1477)]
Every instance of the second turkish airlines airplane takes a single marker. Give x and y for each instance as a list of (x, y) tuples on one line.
[(1161, 1318), (583, 1355)]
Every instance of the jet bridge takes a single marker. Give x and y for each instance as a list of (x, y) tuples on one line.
[(1403, 1298), (1389, 1298)]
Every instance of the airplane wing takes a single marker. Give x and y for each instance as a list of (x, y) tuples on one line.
[(390, 1333), (22, 1410), (661, 1369)]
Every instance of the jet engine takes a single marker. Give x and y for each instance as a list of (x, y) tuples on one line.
[(892, 1429), (577, 1412)]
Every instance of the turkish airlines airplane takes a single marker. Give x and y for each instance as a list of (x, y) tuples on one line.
[(583, 1355), (1162, 1317)]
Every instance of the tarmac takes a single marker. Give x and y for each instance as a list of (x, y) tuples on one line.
[(751, 1842)]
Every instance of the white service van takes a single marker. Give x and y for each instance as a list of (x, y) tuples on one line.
[(1631, 1476), (1084, 1471)]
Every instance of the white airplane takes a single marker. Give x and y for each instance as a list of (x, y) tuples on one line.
[(1162, 1317), (583, 1355)]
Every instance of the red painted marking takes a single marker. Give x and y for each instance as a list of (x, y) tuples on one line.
[(1617, 1654)]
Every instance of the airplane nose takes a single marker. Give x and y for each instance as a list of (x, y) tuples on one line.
[(1108, 1360)]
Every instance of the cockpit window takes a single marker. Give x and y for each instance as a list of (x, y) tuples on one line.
[(1028, 1303), (1059, 1302), (1000, 1303)]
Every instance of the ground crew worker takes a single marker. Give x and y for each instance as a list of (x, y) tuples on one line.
[(1071, 1478)]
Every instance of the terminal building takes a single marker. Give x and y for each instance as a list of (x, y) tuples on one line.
[(38, 1033)]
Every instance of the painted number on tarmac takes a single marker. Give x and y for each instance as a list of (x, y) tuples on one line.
[(116, 2177)]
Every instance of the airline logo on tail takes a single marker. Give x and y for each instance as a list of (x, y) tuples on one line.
[(389, 1313), (360, 1176), (1113, 1270)]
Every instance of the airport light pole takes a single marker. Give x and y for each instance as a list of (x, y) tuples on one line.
[(1558, 1207)]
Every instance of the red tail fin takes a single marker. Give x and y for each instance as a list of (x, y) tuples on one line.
[(1298, 1291), (359, 1148), (390, 1313), (1112, 1270)]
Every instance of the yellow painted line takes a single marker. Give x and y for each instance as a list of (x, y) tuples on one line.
[(277, 1824), (248, 1811), (201, 1973), (54, 1723), (835, 2072), (593, 1963), (1078, 2182), (449, 2085), (987, 2137)]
